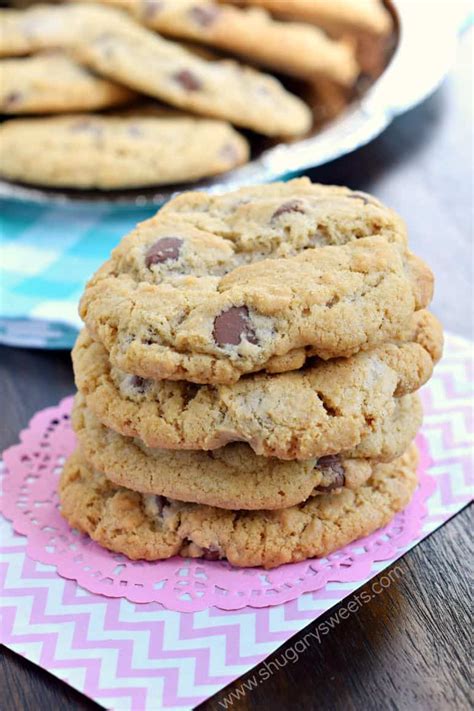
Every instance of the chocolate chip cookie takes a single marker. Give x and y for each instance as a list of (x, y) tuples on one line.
[(334, 17), (109, 152), (367, 23), (323, 409), (153, 527), (214, 287), (40, 27), (52, 83), (292, 48), (232, 477), (119, 48)]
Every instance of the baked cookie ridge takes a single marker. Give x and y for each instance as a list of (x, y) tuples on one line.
[(152, 528)]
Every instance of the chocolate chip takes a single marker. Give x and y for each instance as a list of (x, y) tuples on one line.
[(336, 484), (331, 461), (188, 80), (163, 250), (135, 131), (290, 206), (105, 43), (204, 16), (228, 153), (87, 126), (332, 302), (231, 325), (160, 503), (336, 470), (139, 384), (13, 98), (189, 393), (210, 554), (151, 8)]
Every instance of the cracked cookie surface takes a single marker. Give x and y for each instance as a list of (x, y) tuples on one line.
[(231, 477), (323, 409), (214, 287), (153, 528)]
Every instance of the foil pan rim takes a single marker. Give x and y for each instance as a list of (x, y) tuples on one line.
[(423, 57)]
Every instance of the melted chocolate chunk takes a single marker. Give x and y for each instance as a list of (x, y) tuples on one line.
[(163, 250), (139, 384), (231, 325), (204, 16), (187, 80), (13, 98), (160, 503), (290, 206), (336, 469), (189, 393), (86, 126)]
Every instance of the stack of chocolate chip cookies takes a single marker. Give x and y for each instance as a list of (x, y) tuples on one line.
[(247, 378)]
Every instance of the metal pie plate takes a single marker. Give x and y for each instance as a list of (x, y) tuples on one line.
[(424, 53)]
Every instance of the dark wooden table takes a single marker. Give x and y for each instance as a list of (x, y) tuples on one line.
[(409, 647)]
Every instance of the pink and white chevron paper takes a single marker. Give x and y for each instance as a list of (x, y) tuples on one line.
[(127, 655)]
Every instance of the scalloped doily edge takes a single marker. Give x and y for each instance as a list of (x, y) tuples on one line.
[(321, 573)]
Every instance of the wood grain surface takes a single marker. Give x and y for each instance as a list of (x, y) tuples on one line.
[(408, 647)]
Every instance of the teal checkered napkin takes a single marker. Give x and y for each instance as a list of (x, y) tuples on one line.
[(47, 255)]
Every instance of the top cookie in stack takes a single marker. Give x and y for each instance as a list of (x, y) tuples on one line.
[(255, 280), (247, 380)]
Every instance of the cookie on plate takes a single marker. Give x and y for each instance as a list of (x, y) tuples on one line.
[(109, 152), (214, 287), (40, 27), (117, 47), (292, 48), (150, 527), (146, 62), (334, 16), (368, 23), (323, 409), (52, 82), (232, 477)]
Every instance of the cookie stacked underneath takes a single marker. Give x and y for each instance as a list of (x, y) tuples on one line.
[(247, 378)]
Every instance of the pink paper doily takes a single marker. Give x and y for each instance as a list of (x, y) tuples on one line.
[(30, 501)]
